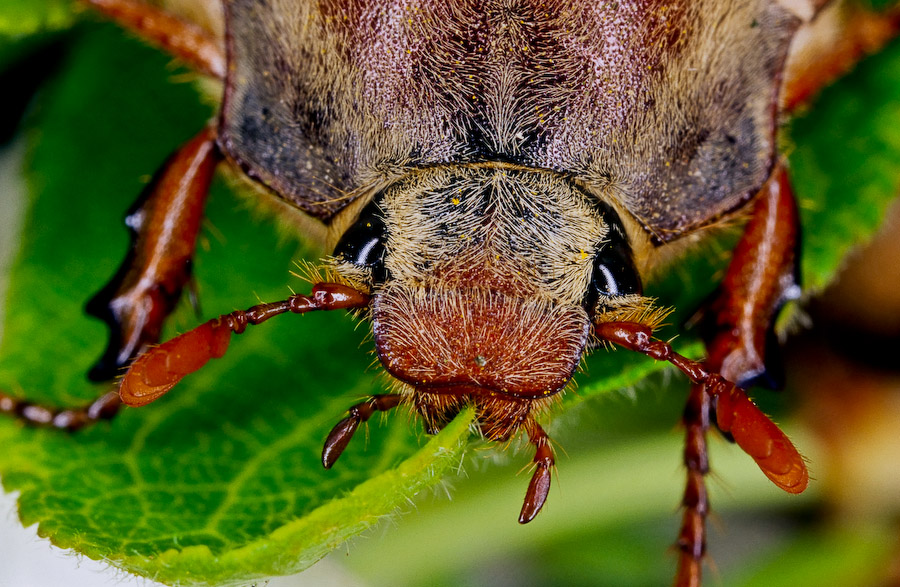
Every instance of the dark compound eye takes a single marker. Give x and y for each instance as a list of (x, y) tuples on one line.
[(613, 273), (363, 244)]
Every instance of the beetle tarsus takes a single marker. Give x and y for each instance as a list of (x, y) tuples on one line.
[(692, 536), (69, 419), (539, 486), (340, 435)]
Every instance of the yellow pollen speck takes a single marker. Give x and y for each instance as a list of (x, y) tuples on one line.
[(455, 201), (583, 254)]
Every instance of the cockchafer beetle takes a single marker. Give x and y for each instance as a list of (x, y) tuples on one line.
[(497, 179)]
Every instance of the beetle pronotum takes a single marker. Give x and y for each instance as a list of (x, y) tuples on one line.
[(497, 179)]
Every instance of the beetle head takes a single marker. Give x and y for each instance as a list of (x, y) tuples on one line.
[(487, 276)]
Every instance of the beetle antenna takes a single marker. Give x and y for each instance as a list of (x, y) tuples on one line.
[(753, 431), (158, 370)]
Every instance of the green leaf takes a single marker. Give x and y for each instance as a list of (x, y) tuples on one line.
[(610, 514), (220, 481), (836, 557), (881, 4)]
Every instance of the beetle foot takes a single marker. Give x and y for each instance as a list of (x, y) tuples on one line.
[(69, 419)]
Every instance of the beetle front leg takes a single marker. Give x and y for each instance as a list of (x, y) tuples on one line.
[(164, 224), (760, 279), (752, 430), (103, 408), (736, 415), (156, 372)]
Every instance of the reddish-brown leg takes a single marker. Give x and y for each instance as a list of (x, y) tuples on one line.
[(839, 38), (692, 536), (158, 370), (760, 278), (539, 487), (164, 223), (340, 435), (182, 39), (70, 419)]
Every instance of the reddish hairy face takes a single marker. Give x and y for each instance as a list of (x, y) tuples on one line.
[(440, 339)]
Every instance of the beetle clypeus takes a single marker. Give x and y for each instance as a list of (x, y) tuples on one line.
[(497, 180)]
